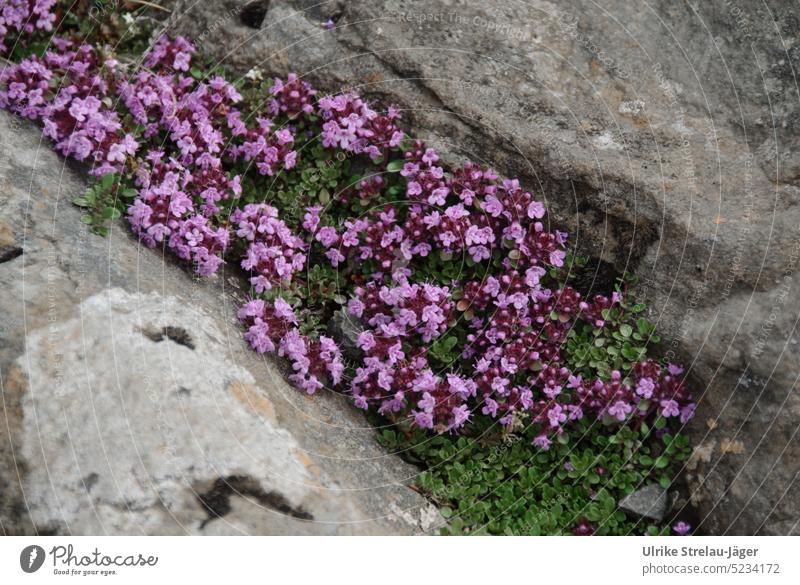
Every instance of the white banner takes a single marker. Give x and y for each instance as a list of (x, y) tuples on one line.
[(405, 560)]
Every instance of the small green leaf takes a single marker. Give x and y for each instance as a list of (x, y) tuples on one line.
[(395, 166), (108, 181)]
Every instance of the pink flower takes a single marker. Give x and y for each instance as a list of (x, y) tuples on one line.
[(535, 210), (542, 442), (366, 340), (492, 206), (311, 218), (687, 413), (327, 236), (461, 415), (681, 528), (670, 408), (557, 258), (556, 415), (645, 388), (620, 410), (335, 257)]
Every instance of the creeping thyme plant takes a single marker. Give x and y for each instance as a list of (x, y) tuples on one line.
[(532, 408)]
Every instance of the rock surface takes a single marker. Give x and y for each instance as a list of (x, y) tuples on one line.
[(346, 328), (664, 137), (649, 502), (131, 404)]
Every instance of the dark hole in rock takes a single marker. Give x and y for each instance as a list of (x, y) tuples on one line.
[(595, 278), (89, 481), (217, 500), (253, 14), (177, 334), (7, 254)]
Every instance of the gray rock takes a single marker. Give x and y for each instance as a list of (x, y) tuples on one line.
[(345, 329), (131, 404), (647, 502), (663, 137)]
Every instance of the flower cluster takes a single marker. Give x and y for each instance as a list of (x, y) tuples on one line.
[(77, 116), (269, 151), (486, 339), (25, 16), (170, 54), (196, 240), (273, 252), (649, 389), (25, 88), (351, 125), (396, 375), (312, 361), (292, 97), (166, 210), (161, 205), (273, 327), (266, 323), (514, 326)]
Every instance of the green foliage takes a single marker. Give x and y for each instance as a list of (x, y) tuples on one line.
[(622, 341), (105, 200), (491, 481), (104, 22), (495, 483), (318, 176)]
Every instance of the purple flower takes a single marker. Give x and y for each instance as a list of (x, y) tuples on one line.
[(335, 257), (535, 210), (492, 206), (557, 258), (510, 357), (311, 218), (674, 370), (620, 410), (423, 420), (687, 412), (366, 340), (670, 408), (542, 442), (645, 388), (682, 528), (327, 236), (490, 407), (461, 415), (556, 415)]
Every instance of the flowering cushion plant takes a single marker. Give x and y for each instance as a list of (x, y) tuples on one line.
[(460, 289)]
